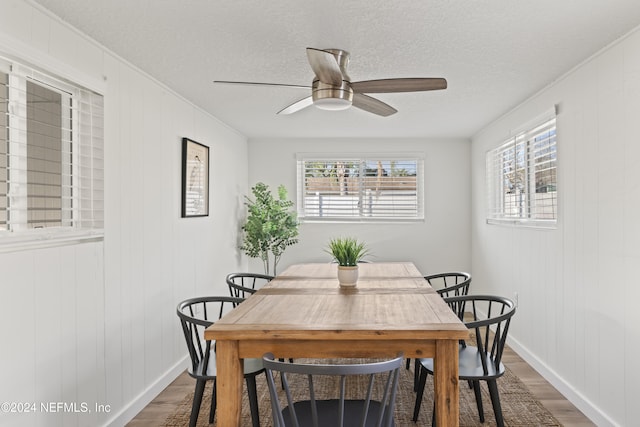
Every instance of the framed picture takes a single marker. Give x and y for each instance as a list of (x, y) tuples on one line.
[(195, 179)]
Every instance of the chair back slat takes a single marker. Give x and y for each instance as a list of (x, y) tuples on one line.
[(343, 381), (365, 407)]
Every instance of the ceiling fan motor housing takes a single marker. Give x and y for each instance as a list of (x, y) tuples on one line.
[(332, 97)]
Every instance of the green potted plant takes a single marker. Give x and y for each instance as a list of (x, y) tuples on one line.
[(347, 252), (271, 226)]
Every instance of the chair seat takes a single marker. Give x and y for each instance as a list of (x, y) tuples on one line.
[(469, 365), (251, 367), (328, 413)]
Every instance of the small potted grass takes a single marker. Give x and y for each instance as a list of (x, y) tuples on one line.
[(347, 252)]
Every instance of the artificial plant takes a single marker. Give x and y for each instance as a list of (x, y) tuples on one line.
[(347, 251), (271, 226)]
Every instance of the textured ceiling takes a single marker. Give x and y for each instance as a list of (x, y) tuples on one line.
[(493, 53)]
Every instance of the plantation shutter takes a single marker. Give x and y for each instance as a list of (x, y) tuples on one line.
[(4, 123), (522, 175), (360, 188), (51, 154)]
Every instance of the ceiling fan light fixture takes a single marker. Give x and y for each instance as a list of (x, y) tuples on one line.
[(330, 97), (332, 104)]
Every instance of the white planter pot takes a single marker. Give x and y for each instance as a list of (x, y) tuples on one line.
[(347, 276)]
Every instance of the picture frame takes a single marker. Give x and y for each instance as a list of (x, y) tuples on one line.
[(195, 179)]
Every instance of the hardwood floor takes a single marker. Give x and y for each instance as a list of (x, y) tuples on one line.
[(564, 411), (156, 412)]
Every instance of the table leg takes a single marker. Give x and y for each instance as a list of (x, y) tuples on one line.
[(447, 393), (229, 384)]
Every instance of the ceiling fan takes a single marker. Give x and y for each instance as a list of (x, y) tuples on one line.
[(332, 88)]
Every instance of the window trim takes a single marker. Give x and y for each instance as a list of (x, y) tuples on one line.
[(492, 217), (419, 157), (49, 76)]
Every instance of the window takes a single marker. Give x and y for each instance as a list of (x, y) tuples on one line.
[(522, 177), (360, 188), (51, 155)]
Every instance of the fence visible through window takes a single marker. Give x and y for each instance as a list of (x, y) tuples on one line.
[(360, 188)]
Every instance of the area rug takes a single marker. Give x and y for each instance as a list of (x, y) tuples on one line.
[(519, 407)]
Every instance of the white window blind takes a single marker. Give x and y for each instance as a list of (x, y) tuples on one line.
[(51, 153), (360, 188), (522, 177)]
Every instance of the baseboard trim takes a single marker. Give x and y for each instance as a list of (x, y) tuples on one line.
[(150, 393), (588, 408)]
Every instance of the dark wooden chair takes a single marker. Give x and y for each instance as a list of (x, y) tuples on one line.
[(450, 284), (241, 285), (336, 411), (196, 315), (488, 317)]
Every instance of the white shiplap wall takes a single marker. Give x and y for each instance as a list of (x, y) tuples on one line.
[(96, 322), (577, 320)]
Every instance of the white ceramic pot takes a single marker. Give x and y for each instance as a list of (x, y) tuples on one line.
[(347, 276)]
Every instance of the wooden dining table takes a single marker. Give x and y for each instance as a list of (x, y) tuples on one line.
[(303, 313)]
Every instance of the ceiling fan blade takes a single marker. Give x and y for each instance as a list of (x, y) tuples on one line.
[(372, 105), (399, 85), (325, 66), (259, 84), (297, 106)]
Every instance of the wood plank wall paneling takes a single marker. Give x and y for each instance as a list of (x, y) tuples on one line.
[(575, 284), (99, 323)]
